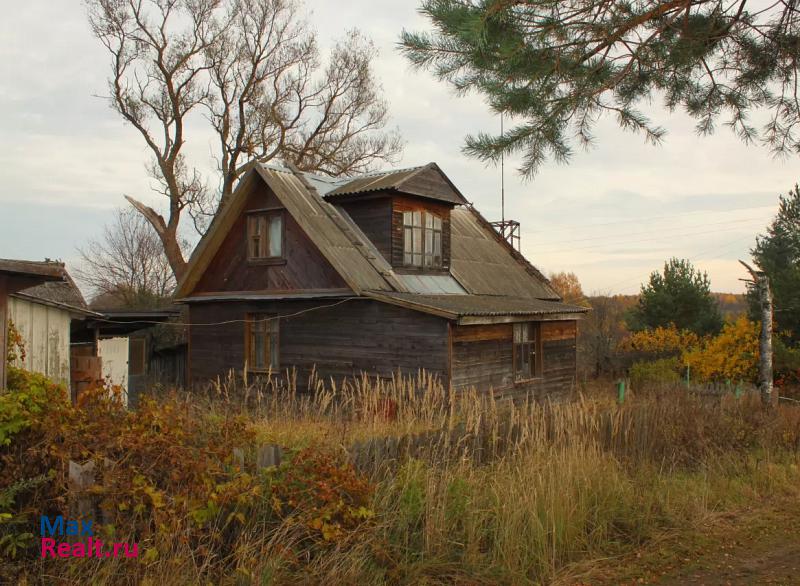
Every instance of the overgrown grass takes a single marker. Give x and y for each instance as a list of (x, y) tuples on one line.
[(512, 494)]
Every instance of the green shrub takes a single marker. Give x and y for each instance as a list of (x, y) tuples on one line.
[(29, 398), (664, 371)]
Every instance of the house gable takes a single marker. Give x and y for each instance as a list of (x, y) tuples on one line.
[(302, 268)]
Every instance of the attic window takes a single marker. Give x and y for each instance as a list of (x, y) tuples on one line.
[(265, 235), (422, 239)]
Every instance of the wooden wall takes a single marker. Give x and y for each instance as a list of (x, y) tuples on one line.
[(354, 336), (46, 332), (374, 217), (305, 267), (482, 357)]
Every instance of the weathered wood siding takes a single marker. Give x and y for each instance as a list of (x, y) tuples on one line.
[(374, 217), (482, 357), (343, 340), (46, 332), (305, 267)]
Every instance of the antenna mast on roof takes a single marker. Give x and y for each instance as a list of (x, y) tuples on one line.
[(507, 229), (502, 178)]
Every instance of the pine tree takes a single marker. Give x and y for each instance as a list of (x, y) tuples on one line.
[(777, 253), (555, 67), (680, 296)]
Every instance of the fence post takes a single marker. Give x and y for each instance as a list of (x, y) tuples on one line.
[(621, 390), (688, 375), (81, 477)]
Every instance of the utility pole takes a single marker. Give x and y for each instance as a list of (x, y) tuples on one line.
[(761, 282)]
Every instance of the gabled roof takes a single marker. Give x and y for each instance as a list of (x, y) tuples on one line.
[(482, 262), (425, 181), (320, 220)]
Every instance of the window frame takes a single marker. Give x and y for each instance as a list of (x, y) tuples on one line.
[(427, 234), (263, 219), (532, 346), (271, 332)]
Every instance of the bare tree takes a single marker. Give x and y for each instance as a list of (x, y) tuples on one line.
[(253, 68), (127, 265)]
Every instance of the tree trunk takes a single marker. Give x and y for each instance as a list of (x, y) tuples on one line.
[(168, 233), (765, 345), (174, 254)]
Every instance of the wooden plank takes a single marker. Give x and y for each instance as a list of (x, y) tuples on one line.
[(485, 332)]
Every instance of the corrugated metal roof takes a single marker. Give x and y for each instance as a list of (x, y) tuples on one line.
[(377, 181), (401, 180), (485, 264), (324, 225), (481, 305)]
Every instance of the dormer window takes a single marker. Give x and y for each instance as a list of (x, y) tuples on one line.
[(422, 239), (265, 236)]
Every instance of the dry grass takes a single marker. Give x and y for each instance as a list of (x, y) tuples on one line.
[(520, 494)]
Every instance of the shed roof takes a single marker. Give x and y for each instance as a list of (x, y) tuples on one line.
[(63, 293), (45, 270)]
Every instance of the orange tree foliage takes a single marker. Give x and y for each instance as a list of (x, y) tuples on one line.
[(660, 341), (731, 355), (569, 287)]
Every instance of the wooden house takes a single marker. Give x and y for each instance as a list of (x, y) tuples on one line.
[(382, 273)]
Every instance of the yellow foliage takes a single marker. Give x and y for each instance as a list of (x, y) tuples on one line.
[(661, 340), (733, 354)]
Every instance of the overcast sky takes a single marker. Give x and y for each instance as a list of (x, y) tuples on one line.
[(611, 216)]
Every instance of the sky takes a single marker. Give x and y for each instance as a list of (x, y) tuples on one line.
[(612, 215)]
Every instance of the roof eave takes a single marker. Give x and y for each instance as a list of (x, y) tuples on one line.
[(475, 320)]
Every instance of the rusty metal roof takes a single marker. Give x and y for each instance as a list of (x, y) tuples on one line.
[(479, 305), (401, 180)]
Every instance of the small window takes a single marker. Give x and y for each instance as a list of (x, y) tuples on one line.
[(422, 239), (261, 341), (526, 354), (265, 236)]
